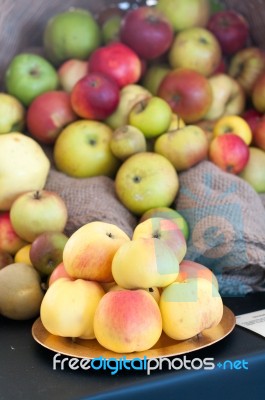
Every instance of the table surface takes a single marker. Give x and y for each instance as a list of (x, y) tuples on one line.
[(26, 368)]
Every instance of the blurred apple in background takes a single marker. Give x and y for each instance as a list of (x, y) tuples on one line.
[(188, 92), (83, 150), (10, 241), (126, 141), (184, 147), (117, 61), (253, 173), (23, 166), (12, 114), (146, 180), (29, 75), (129, 96), (109, 20), (189, 12), (246, 66), (228, 97), (147, 31), (252, 117), (46, 251), (5, 259), (35, 212), (259, 134), (95, 96), (233, 124), (153, 76), (73, 33), (152, 116), (229, 152), (195, 48), (70, 72), (48, 114), (258, 93), (221, 67), (231, 29), (58, 272), (190, 269)]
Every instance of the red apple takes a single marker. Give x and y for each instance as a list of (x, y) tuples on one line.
[(95, 96), (188, 93), (147, 31), (5, 259), (59, 272), (70, 72), (229, 152), (10, 241), (259, 134), (117, 61), (231, 30), (48, 114), (221, 68), (252, 117)]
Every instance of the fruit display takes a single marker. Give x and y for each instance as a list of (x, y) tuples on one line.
[(138, 96)]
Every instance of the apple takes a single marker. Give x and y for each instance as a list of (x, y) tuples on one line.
[(70, 71), (221, 67), (229, 152), (184, 147), (145, 262), (259, 134), (73, 33), (129, 96), (207, 126), (83, 150), (35, 212), (165, 230), (190, 307), (195, 48), (146, 180), (151, 115), (189, 269), (233, 124), (46, 251), (167, 213), (147, 31), (12, 114), (23, 167), (48, 114), (246, 66), (252, 117), (117, 61), (228, 97), (231, 29), (89, 251), (10, 241), (154, 291), (189, 12), (22, 255), (258, 93), (95, 96), (176, 123), (126, 141), (29, 75), (253, 173), (153, 76), (58, 272), (188, 92), (127, 321), (5, 259), (110, 28)]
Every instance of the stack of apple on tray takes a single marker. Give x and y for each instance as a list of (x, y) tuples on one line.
[(137, 95)]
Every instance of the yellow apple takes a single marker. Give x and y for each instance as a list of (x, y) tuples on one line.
[(22, 255), (233, 124), (12, 114)]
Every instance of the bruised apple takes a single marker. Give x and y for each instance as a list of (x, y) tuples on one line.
[(127, 321)]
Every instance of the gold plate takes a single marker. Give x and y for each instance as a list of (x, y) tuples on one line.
[(165, 347)]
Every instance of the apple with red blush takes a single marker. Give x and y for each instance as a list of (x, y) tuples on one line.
[(147, 31), (95, 96), (48, 114), (231, 30), (259, 134), (70, 72), (10, 241), (117, 61), (252, 117)]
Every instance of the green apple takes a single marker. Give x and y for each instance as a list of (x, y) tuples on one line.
[(153, 76), (82, 150), (168, 213), (111, 29), (35, 212), (151, 115), (126, 141), (23, 167), (73, 33), (12, 114), (29, 75), (46, 251), (196, 48), (185, 14), (184, 148), (253, 173), (146, 180), (129, 96)]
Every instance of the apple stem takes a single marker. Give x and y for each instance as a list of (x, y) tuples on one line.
[(37, 195)]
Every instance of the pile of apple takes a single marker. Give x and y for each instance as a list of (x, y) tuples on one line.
[(125, 291), (138, 95)]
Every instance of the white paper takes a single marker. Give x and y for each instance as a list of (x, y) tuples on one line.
[(254, 321)]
